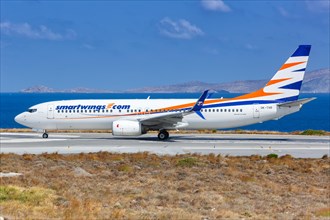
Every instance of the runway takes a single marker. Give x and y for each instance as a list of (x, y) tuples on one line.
[(224, 144)]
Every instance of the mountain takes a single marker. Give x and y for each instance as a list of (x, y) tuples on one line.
[(317, 81), (189, 87), (45, 89)]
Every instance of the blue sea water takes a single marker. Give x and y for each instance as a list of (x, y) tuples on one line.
[(313, 115)]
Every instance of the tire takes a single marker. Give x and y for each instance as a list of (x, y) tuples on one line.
[(44, 135), (163, 135)]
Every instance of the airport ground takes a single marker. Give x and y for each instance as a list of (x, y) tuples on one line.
[(118, 183)]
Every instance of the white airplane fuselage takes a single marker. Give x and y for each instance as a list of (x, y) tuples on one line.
[(84, 114)]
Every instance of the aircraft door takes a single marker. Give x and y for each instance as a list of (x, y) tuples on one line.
[(256, 111), (50, 112)]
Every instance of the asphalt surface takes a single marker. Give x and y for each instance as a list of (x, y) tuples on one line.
[(224, 144)]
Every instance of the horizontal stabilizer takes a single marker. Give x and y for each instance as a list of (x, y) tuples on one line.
[(296, 103)]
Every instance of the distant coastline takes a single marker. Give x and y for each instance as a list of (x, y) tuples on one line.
[(317, 81)]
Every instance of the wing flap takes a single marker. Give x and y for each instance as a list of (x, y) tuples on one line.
[(172, 119)]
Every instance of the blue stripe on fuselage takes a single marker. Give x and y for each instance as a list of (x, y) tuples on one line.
[(240, 103)]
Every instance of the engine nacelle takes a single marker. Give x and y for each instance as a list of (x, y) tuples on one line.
[(127, 128)]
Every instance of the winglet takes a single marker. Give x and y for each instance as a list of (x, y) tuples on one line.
[(200, 102)]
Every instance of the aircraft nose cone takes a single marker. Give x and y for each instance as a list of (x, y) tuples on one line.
[(19, 118)]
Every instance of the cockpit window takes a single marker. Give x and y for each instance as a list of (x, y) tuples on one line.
[(31, 110)]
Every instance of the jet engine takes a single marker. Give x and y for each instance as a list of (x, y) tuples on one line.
[(127, 128)]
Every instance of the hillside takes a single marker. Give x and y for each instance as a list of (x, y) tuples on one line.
[(317, 81)]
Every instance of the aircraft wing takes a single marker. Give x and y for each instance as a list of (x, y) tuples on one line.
[(172, 120)]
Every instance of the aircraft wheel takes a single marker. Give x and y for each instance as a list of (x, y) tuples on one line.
[(44, 135), (163, 135)]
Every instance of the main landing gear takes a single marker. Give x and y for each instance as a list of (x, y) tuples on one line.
[(45, 135), (163, 135)]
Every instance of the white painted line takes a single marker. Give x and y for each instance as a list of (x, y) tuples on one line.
[(39, 135), (25, 140)]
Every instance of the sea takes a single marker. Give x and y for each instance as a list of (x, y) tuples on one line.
[(313, 115)]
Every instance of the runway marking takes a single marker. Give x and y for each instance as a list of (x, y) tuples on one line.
[(39, 135), (25, 140)]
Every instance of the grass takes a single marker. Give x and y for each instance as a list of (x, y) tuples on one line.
[(150, 186), (33, 196), (21, 202), (324, 212), (314, 132), (188, 162), (272, 156)]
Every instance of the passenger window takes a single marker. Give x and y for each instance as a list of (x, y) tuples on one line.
[(241, 110), (217, 110), (228, 110), (62, 111), (213, 110), (119, 110), (220, 110), (225, 110), (66, 111)]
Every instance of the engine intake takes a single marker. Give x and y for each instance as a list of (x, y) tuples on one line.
[(127, 128)]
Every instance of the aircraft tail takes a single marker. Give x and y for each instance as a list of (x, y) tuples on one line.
[(286, 83)]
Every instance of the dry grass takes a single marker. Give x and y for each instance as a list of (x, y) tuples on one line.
[(147, 186)]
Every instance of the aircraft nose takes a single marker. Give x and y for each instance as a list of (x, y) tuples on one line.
[(20, 118)]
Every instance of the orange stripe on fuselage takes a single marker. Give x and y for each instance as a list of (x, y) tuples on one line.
[(287, 65), (259, 93)]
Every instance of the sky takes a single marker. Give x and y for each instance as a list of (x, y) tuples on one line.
[(119, 45)]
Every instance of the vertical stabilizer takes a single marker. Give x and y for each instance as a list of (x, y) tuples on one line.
[(286, 83), (288, 79)]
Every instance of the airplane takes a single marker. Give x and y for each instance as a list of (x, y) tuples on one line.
[(134, 117)]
